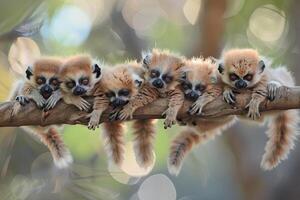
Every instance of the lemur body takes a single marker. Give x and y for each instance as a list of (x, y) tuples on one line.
[(200, 85), (119, 85), (42, 85), (243, 69), (163, 71)]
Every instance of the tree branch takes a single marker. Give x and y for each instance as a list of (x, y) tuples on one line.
[(288, 98)]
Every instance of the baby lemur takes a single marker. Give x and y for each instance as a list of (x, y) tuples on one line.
[(119, 85), (200, 84), (163, 70), (41, 84), (244, 69)]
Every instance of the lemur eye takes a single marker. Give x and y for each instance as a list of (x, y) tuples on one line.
[(41, 80), (84, 81), (167, 78), (186, 86), (200, 87), (110, 94), (124, 92), (233, 77), (70, 84), (154, 73), (54, 81), (248, 77)]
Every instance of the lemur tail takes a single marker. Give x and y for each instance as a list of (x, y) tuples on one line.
[(113, 140), (52, 139), (282, 133), (144, 132), (181, 145)]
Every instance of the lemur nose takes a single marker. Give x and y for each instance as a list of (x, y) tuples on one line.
[(79, 91), (240, 84), (119, 102), (158, 83), (46, 89), (193, 96)]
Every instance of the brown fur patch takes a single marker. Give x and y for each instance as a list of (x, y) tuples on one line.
[(241, 61), (49, 65), (74, 64)]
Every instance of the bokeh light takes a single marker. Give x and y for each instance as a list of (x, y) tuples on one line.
[(158, 187), (70, 26)]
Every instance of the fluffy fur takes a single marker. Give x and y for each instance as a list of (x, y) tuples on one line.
[(200, 85), (163, 71), (31, 89), (283, 125)]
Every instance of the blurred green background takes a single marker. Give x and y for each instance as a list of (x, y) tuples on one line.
[(225, 168)]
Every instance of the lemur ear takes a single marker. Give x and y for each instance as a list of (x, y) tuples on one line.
[(96, 70), (29, 72), (261, 65), (221, 68), (183, 76), (146, 59)]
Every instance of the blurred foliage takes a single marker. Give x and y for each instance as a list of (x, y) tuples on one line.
[(227, 168)]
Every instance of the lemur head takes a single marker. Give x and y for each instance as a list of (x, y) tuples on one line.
[(122, 82), (162, 69), (43, 74), (241, 68), (79, 75), (198, 76)]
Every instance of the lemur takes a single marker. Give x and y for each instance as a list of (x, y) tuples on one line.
[(41, 85), (161, 80), (244, 69), (201, 85), (120, 84)]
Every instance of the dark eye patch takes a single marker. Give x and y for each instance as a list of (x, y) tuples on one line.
[(154, 73), (186, 85), (84, 81), (123, 92), (110, 94), (200, 87), (54, 81), (233, 77), (167, 78), (70, 84), (248, 77), (40, 80)]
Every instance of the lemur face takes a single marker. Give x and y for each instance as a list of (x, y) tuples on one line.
[(162, 69), (241, 68), (118, 98), (79, 75), (43, 75), (122, 82), (197, 77)]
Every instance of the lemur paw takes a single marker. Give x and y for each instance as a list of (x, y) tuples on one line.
[(94, 119), (125, 113), (196, 108), (40, 101), (272, 89), (253, 112), (170, 118), (229, 96), (22, 100), (83, 105), (114, 114), (51, 102)]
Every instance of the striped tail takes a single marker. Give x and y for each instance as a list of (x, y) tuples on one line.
[(114, 142), (52, 139), (282, 132), (144, 132), (181, 146)]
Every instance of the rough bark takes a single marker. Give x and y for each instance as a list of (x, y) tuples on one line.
[(288, 98)]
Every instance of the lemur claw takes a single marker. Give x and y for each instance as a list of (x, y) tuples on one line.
[(170, 118), (94, 119), (272, 89), (22, 100), (253, 112), (229, 96)]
